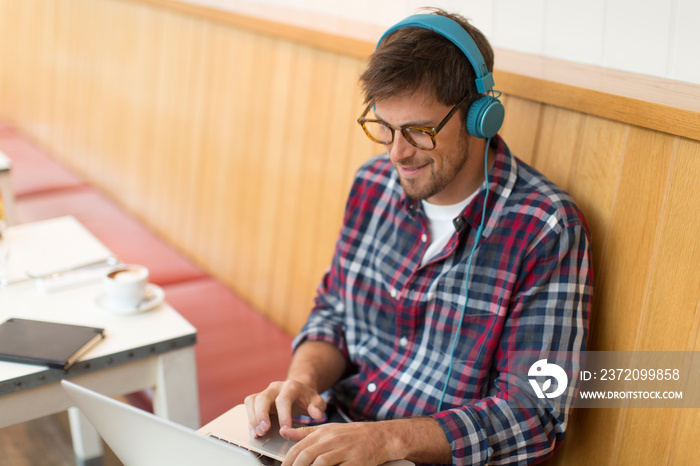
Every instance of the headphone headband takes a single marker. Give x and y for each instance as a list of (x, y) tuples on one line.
[(456, 34)]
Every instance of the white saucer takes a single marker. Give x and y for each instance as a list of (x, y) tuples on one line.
[(154, 296)]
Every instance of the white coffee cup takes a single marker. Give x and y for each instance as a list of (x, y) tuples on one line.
[(125, 285)]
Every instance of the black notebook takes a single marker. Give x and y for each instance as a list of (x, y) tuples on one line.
[(46, 343)]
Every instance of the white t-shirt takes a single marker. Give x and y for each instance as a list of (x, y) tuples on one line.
[(440, 224)]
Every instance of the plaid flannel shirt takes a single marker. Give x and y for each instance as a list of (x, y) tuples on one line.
[(529, 289)]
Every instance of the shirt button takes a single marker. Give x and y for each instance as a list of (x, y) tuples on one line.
[(403, 341), (424, 237), (393, 292), (372, 387)]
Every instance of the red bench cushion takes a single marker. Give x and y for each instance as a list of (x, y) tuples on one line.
[(239, 351)]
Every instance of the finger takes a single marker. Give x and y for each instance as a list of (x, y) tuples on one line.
[(283, 404), (298, 434), (297, 399), (316, 410), (261, 407), (250, 411), (313, 405), (301, 453)]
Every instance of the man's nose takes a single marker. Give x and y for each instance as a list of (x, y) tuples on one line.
[(400, 149)]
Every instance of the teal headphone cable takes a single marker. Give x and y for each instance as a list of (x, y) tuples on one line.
[(479, 231)]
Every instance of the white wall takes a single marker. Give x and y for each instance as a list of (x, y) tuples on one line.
[(653, 37)]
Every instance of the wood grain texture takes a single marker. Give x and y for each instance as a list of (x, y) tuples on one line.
[(236, 141)]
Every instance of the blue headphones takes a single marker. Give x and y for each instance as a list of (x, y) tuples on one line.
[(485, 115)]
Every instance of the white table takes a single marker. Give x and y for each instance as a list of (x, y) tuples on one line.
[(151, 349)]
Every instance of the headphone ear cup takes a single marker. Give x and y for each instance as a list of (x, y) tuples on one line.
[(485, 117)]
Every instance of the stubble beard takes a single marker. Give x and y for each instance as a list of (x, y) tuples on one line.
[(437, 180)]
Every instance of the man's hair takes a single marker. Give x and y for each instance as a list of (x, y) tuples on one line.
[(415, 59)]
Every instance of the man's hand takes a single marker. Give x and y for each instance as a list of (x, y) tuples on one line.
[(361, 443), (315, 367), (419, 439), (286, 399)]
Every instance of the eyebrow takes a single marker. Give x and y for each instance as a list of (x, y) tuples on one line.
[(424, 123)]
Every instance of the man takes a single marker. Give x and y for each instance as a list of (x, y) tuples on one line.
[(440, 280)]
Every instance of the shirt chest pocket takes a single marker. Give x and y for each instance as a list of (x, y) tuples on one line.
[(451, 307)]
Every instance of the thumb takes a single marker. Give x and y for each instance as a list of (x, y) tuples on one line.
[(295, 435)]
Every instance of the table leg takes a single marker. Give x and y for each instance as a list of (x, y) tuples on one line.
[(175, 395), (87, 443)]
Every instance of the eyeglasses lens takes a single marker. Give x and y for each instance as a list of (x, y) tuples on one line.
[(379, 132), (383, 134)]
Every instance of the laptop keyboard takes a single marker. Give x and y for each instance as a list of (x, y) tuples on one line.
[(264, 459)]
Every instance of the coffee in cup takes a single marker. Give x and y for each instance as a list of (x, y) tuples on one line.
[(125, 286)]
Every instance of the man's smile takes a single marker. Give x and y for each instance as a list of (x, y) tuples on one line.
[(411, 170)]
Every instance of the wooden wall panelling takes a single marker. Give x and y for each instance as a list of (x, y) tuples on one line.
[(673, 288), (79, 80), (19, 91), (156, 108), (672, 291), (61, 78), (6, 56), (72, 80), (631, 238), (343, 107), (200, 66), (642, 183), (649, 444), (97, 129), (594, 188), (12, 46), (336, 151), (522, 119), (54, 67), (255, 104), (156, 98), (180, 167), (222, 135), (25, 60), (202, 215), (299, 127), (591, 438), (682, 448), (235, 142), (304, 240), (34, 50), (120, 117), (85, 92), (557, 144), (273, 163)]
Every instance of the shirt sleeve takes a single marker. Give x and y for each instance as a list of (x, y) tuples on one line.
[(326, 321), (548, 314)]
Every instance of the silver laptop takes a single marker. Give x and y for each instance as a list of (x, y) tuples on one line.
[(139, 438)]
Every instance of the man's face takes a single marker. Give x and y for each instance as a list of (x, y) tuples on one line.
[(439, 175)]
